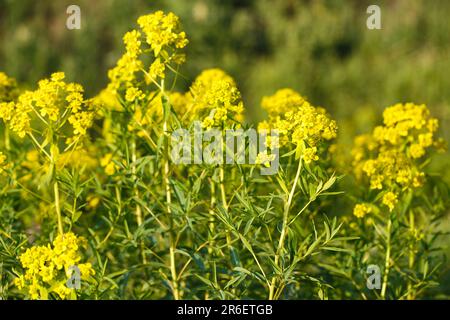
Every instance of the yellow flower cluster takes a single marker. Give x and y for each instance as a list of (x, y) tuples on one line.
[(264, 159), (298, 122), (215, 98), (54, 102), (284, 100), (47, 268), (361, 210), (133, 94), (407, 126), (124, 73), (16, 114), (8, 88), (388, 156), (390, 200), (162, 31), (164, 37), (109, 165)]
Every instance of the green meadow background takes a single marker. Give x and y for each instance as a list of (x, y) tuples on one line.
[(321, 48)]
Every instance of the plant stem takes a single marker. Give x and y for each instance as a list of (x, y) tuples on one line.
[(7, 139), (138, 210), (224, 202), (410, 295), (211, 218), (172, 238), (284, 228), (387, 260), (57, 207), (53, 161)]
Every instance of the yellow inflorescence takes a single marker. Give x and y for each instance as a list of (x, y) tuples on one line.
[(161, 36), (390, 200), (388, 157), (361, 210), (53, 102), (215, 99), (8, 89), (162, 31), (109, 165), (264, 159), (284, 100), (298, 122), (47, 268), (132, 94)]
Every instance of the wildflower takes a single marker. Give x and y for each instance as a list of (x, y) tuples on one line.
[(264, 158), (388, 156), (298, 122), (361, 210), (132, 43), (133, 94), (282, 101), (8, 88), (108, 164), (216, 99), (390, 200), (81, 121), (53, 99), (407, 124), (93, 201), (86, 270), (161, 35), (17, 114), (310, 154), (124, 73), (162, 31), (46, 266), (157, 70), (416, 151)]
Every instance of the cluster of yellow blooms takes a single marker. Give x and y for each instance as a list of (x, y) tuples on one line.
[(163, 36), (107, 163), (388, 156), (54, 102), (47, 268), (263, 158), (162, 32), (8, 88), (215, 98), (361, 210), (298, 122)]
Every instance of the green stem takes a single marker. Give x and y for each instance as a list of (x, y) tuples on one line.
[(387, 262), (410, 295), (138, 210), (224, 202), (283, 234), (211, 218), (7, 139), (172, 237), (53, 160), (58, 208)]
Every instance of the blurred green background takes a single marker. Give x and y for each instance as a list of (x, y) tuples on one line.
[(321, 48)]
